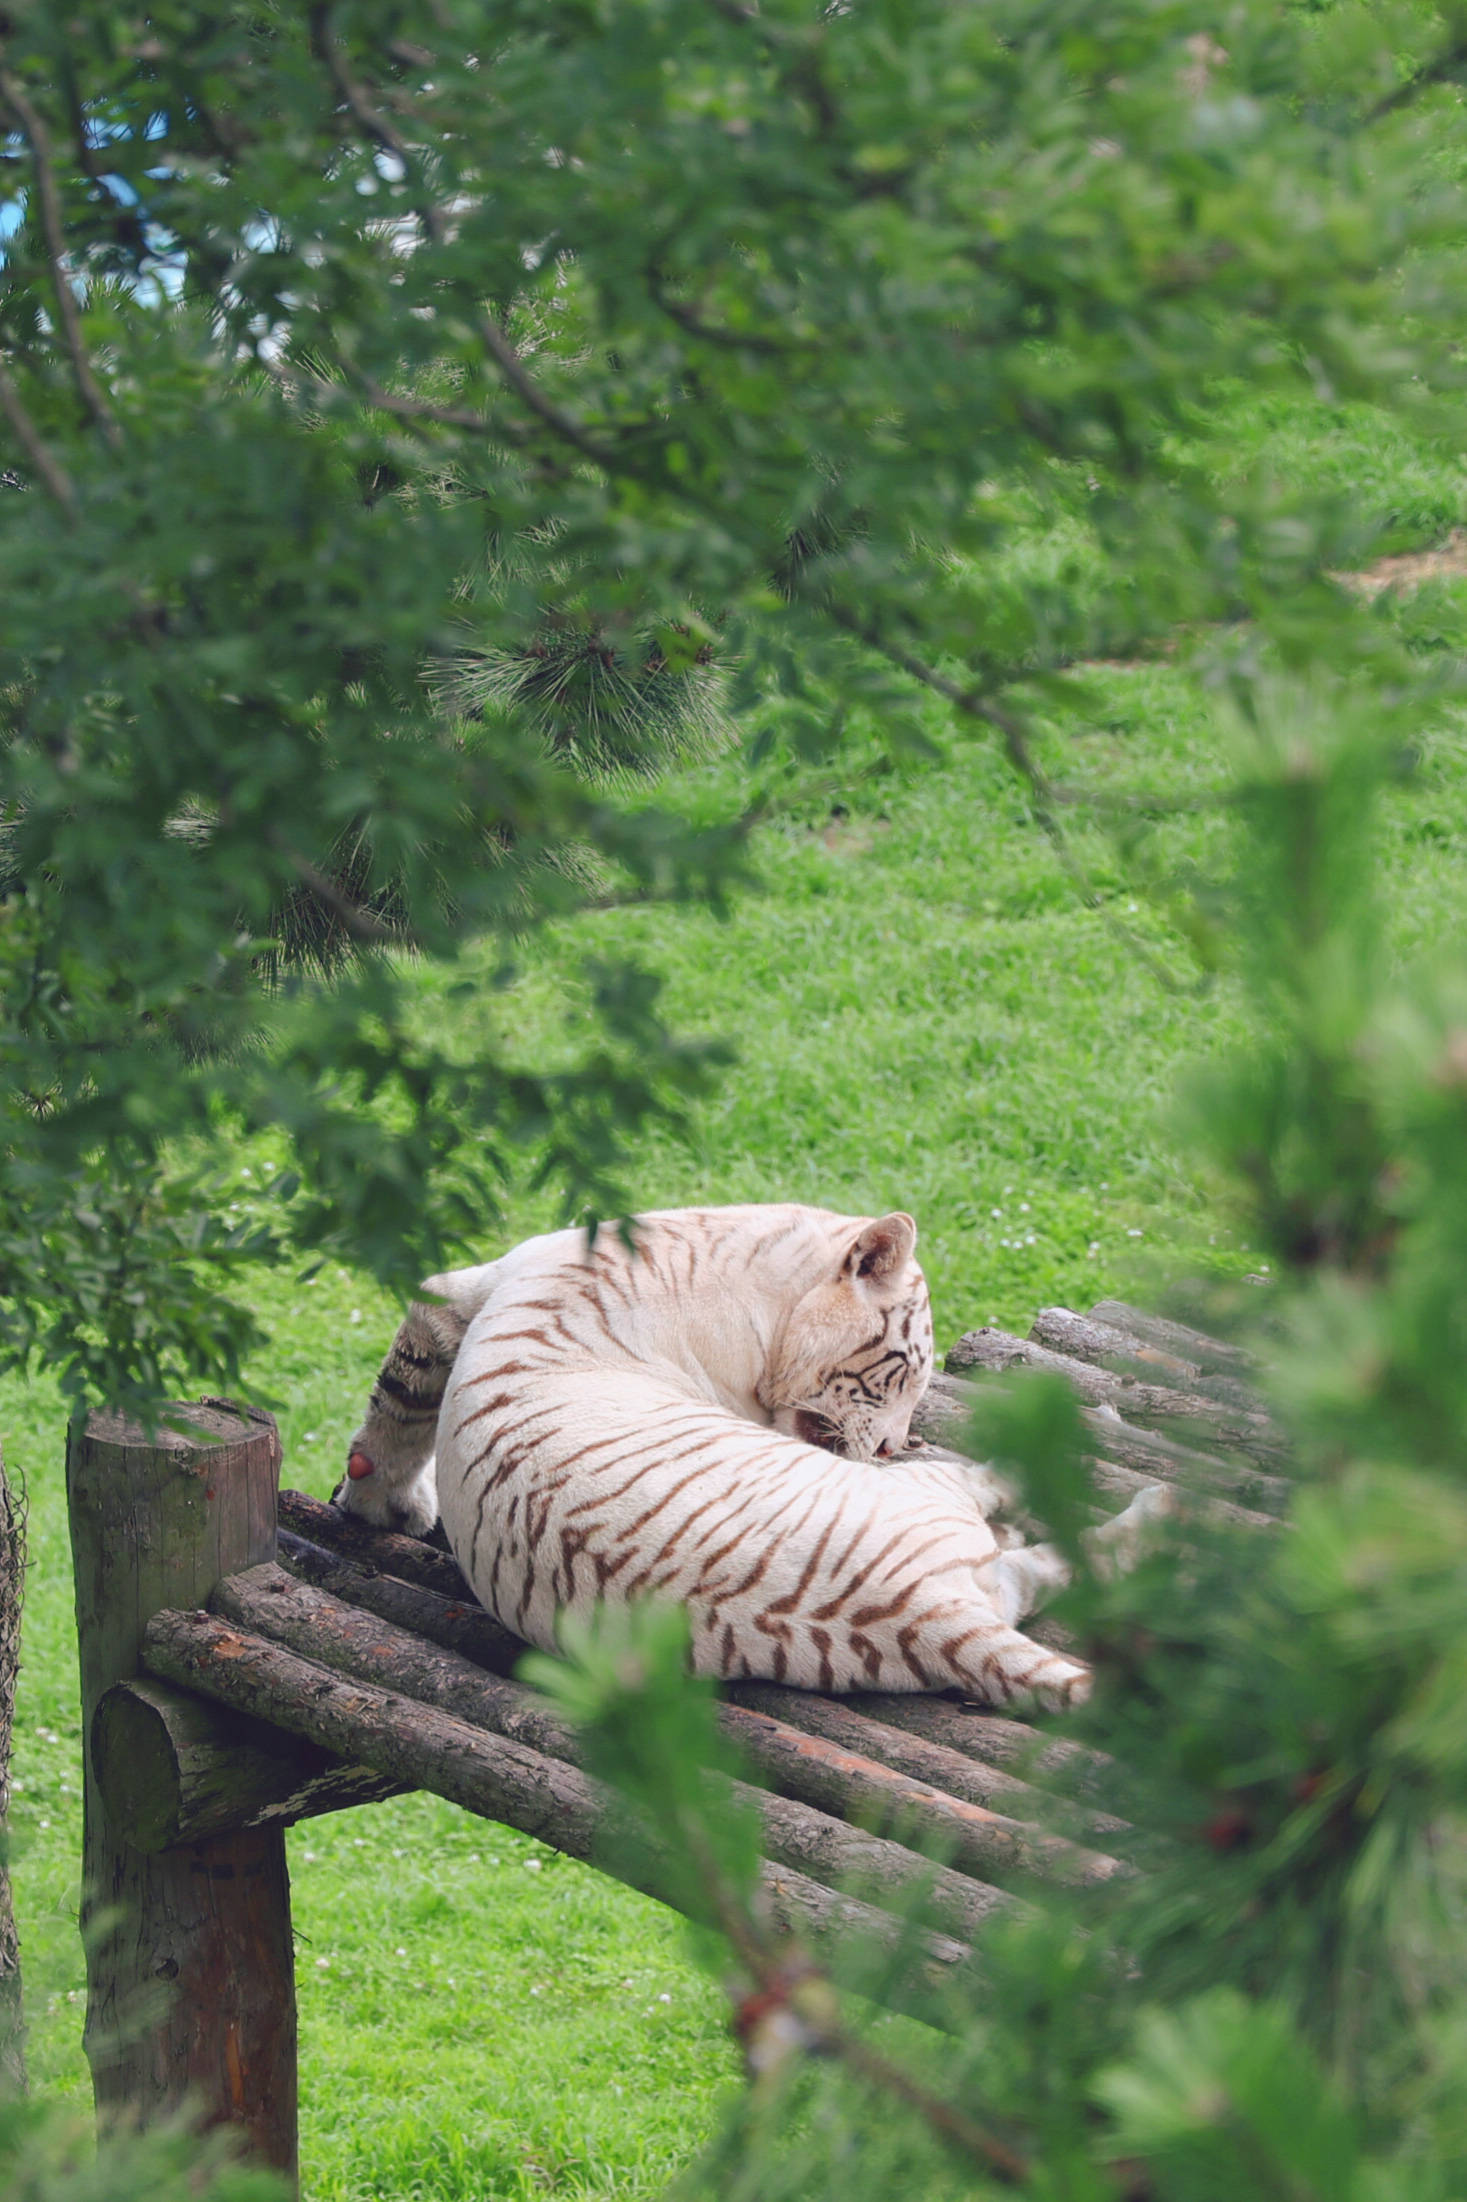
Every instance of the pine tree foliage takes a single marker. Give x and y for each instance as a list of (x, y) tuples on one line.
[(737, 333)]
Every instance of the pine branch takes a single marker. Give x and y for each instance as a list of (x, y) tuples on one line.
[(28, 436)]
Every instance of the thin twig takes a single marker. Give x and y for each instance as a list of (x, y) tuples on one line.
[(34, 131), (389, 139), (27, 435), (708, 332), (1431, 72), (512, 367), (373, 125), (359, 923)]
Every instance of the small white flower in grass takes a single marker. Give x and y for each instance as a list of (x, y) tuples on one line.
[(1133, 1234), (537, 1990), (355, 1316), (664, 1999), (1093, 1247), (323, 1964), (995, 1212), (309, 1856), (246, 1173), (45, 1823), (495, 1861), (1023, 1207), (399, 1951), (309, 1437), (451, 1984), (532, 1865)]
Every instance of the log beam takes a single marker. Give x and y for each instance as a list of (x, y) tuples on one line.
[(1245, 1430), (946, 1409), (172, 1769)]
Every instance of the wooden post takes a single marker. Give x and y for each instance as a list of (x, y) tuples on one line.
[(190, 1974), (12, 1583)]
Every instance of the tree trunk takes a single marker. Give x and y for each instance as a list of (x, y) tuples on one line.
[(12, 1577)]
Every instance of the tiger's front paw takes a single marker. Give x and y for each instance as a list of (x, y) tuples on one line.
[(410, 1509)]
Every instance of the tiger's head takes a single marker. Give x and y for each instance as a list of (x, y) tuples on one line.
[(852, 1357)]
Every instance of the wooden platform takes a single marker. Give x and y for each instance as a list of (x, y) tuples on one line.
[(371, 1650)]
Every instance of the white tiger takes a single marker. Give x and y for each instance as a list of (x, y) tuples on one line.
[(660, 1421)]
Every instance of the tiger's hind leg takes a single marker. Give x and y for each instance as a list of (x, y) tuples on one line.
[(1004, 1667), (1011, 1665), (389, 1466)]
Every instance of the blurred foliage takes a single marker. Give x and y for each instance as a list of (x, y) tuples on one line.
[(49, 2154), (421, 418)]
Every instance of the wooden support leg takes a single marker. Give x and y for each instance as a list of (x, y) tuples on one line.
[(190, 1973)]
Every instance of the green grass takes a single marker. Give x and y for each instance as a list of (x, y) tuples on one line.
[(925, 1015)]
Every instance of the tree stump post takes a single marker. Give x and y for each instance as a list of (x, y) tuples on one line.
[(190, 1971), (12, 1584)]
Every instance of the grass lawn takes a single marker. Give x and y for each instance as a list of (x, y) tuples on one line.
[(925, 1016)]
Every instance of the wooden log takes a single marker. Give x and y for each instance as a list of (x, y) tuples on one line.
[(1126, 1484), (1251, 1431), (457, 1623), (992, 1738), (955, 1773), (406, 1557), (946, 1409), (172, 1769), (351, 1640), (831, 1765), (1085, 1339), (502, 1779), (191, 1988), (1158, 1332)]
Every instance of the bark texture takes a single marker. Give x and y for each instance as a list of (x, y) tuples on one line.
[(1244, 1430), (190, 1973), (173, 1769), (12, 1585)]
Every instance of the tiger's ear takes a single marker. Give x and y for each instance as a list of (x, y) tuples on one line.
[(884, 1247)]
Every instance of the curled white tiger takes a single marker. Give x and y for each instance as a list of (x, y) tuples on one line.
[(717, 1413)]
